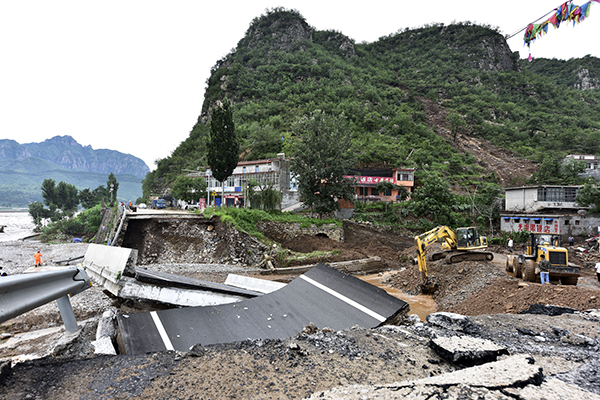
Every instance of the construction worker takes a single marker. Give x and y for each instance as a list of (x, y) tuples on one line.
[(544, 266), (38, 259)]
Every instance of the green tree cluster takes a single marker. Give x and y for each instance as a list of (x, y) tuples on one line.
[(321, 160), (188, 188)]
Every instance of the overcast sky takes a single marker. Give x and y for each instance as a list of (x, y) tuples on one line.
[(130, 75)]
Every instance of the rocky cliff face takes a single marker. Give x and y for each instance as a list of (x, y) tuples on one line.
[(65, 152), (11, 150), (586, 81)]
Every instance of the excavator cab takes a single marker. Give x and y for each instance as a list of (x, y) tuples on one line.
[(468, 239)]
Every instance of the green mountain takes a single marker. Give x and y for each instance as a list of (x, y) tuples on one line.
[(419, 98)]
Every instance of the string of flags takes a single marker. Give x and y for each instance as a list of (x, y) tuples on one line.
[(565, 13)]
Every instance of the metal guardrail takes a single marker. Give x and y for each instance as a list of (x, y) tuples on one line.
[(22, 293)]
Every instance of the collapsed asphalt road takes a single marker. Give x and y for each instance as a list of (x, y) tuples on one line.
[(522, 356)]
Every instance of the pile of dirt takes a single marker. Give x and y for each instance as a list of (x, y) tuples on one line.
[(360, 241), (509, 295)]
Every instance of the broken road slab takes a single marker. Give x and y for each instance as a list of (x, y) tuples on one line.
[(467, 350), (323, 296)]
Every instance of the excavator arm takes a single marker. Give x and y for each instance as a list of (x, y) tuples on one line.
[(426, 239)]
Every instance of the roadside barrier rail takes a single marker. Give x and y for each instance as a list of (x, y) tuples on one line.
[(24, 292)]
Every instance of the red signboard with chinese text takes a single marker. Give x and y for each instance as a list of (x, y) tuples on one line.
[(539, 227), (368, 180)]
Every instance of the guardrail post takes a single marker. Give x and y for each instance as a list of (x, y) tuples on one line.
[(67, 314)]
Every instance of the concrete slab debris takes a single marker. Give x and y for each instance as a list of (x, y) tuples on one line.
[(488, 381), (114, 269), (172, 280), (323, 296), (104, 346), (467, 350), (107, 265), (253, 284)]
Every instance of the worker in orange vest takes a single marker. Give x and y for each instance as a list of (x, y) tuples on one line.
[(38, 259)]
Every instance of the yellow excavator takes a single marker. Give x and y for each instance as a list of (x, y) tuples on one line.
[(457, 245)]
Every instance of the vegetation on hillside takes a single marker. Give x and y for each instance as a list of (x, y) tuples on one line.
[(283, 69)]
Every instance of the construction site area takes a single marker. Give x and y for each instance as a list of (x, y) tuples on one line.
[(483, 333)]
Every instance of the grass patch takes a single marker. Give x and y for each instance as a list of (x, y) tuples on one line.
[(245, 219)]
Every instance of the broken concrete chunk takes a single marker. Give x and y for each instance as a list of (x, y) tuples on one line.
[(551, 388), (107, 326), (518, 370), (548, 310), (104, 346), (488, 381), (455, 322), (466, 350)]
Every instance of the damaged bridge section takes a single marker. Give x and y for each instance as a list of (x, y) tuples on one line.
[(323, 296)]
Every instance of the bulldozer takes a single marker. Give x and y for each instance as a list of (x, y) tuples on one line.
[(457, 246), (523, 265)]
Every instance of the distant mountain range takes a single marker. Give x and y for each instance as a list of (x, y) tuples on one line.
[(65, 152), (23, 167)]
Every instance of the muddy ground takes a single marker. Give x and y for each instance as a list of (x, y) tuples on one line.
[(317, 360)]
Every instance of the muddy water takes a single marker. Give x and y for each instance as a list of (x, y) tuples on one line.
[(421, 305)]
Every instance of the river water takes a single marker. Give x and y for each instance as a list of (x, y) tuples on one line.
[(421, 305), (17, 225)]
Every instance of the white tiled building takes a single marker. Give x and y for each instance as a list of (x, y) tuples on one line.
[(274, 170)]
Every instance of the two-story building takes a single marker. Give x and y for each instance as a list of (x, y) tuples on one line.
[(592, 164), (273, 170), (367, 180), (546, 209)]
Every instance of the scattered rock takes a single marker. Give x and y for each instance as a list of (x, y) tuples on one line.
[(451, 321)]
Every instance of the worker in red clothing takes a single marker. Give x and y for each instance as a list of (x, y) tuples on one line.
[(38, 259)]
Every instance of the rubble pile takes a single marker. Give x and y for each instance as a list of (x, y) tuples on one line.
[(192, 241)]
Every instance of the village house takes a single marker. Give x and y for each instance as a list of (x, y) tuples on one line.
[(548, 209)]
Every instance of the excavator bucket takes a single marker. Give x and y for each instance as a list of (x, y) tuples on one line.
[(429, 287)]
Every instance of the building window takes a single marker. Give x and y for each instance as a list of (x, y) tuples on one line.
[(388, 192), (566, 222), (576, 222), (362, 191), (374, 192), (244, 170), (405, 176), (557, 194), (256, 169)]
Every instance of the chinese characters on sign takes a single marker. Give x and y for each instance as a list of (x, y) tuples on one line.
[(371, 179), (539, 227)]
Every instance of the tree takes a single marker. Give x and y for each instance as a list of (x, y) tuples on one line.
[(223, 146), (321, 158), (589, 196), (39, 213), (457, 124), (62, 197), (557, 171), (189, 189), (112, 186), (266, 198), (434, 198), (49, 191)]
